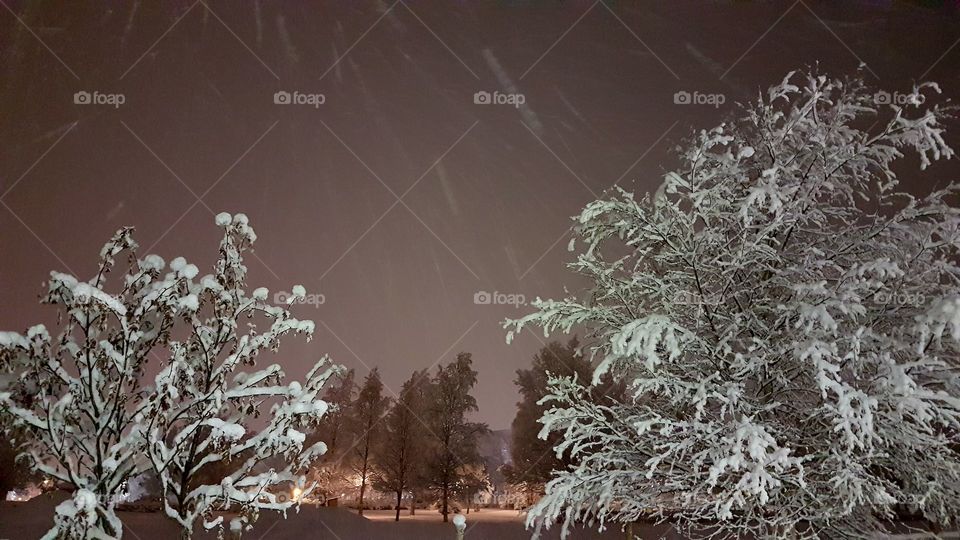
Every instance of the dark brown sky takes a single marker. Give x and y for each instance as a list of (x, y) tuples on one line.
[(487, 190)]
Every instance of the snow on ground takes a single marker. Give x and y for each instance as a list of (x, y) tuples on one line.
[(31, 519), (486, 515)]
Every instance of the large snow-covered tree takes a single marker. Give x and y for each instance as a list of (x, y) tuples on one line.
[(787, 319), (201, 414), (92, 421), (77, 394)]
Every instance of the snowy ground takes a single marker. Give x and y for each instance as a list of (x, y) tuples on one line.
[(486, 515), (29, 520)]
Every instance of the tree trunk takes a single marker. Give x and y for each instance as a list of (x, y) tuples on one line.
[(363, 486), (399, 497), (443, 507), (413, 502)]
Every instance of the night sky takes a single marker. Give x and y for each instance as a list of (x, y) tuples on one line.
[(398, 198)]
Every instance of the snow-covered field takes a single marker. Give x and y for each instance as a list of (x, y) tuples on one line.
[(30, 520), (486, 515)]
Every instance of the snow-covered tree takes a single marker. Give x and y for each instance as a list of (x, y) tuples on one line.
[(787, 320), (77, 395), (531, 460), (92, 423), (205, 401)]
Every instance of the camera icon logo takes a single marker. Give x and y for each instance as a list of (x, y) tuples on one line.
[(682, 97), (82, 98), (481, 97), (882, 98), (281, 97), (482, 298)]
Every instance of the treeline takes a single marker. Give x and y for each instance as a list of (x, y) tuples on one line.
[(416, 444)]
